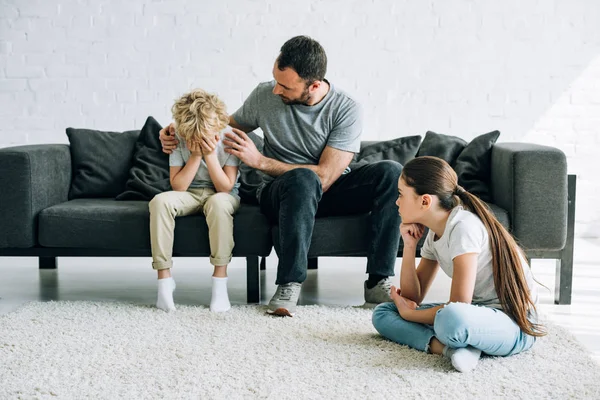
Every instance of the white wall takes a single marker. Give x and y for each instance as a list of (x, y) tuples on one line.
[(527, 68)]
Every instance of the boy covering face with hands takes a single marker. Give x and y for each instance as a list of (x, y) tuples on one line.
[(204, 179)]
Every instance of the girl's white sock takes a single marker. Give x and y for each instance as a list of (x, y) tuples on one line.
[(164, 301), (464, 359), (219, 301)]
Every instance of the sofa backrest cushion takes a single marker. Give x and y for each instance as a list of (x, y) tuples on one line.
[(100, 161)]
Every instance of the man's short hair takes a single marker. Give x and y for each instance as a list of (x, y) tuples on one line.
[(306, 56), (199, 114)]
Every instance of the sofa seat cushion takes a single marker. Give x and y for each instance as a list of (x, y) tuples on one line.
[(112, 224), (349, 235)]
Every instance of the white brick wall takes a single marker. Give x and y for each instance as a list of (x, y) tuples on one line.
[(530, 69)]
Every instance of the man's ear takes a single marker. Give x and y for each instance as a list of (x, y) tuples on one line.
[(315, 85), (426, 201)]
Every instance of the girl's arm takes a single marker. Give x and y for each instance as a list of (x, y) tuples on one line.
[(223, 178), (461, 291), (182, 177), (415, 282)]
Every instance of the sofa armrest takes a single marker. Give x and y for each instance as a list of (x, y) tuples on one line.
[(530, 182), (33, 177)]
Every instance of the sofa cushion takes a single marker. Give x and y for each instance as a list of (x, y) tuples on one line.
[(349, 235), (401, 150), (111, 224), (100, 161), (471, 161), (149, 173)]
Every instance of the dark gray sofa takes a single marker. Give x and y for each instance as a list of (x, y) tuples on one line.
[(532, 196)]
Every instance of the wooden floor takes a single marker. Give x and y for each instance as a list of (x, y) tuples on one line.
[(339, 281)]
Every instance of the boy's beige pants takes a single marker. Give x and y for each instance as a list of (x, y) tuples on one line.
[(218, 209)]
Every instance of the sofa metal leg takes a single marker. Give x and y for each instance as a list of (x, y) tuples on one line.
[(47, 262), (252, 280), (564, 266), (313, 263), (263, 263)]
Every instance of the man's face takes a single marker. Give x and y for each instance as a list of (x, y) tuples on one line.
[(290, 87)]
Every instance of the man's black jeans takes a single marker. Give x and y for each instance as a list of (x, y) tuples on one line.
[(294, 199)]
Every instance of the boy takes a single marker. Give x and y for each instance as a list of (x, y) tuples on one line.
[(204, 178)]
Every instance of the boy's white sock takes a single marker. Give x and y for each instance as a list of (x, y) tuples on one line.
[(464, 359), (164, 301), (219, 300)]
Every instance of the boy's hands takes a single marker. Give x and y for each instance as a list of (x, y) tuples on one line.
[(194, 147), (168, 141), (209, 144)]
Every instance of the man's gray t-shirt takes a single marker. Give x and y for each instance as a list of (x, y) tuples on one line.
[(465, 233), (182, 154), (298, 134)]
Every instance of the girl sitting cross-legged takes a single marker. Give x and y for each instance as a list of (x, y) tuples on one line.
[(493, 294)]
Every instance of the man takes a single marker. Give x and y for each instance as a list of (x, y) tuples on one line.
[(311, 132)]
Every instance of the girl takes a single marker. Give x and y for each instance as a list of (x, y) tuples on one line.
[(204, 179), (493, 294)]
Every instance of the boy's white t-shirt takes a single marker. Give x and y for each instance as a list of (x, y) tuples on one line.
[(465, 233), (182, 154)]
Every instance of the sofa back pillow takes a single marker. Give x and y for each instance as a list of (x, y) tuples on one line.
[(471, 161), (100, 161), (149, 173)]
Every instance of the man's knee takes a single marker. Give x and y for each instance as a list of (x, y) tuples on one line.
[(387, 171), (301, 181)]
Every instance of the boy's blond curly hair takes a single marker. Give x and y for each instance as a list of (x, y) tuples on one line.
[(199, 113)]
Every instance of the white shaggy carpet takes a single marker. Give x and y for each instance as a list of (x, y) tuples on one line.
[(110, 351)]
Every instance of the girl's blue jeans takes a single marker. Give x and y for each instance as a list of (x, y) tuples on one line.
[(456, 325)]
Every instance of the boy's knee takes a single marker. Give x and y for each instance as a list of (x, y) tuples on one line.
[(160, 201), (219, 203)]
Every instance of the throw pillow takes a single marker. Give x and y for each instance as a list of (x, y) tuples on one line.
[(401, 150), (100, 161), (473, 165), (471, 161), (445, 147), (149, 174)]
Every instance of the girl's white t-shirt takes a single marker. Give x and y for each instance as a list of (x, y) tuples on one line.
[(465, 233)]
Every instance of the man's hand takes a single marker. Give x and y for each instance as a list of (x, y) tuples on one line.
[(209, 144), (168, 140), (241, 146), (411, 233)]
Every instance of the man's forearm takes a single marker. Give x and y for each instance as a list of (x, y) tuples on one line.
[(277, 168)]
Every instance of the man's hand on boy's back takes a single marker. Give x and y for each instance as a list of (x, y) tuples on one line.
[(168, 139)]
